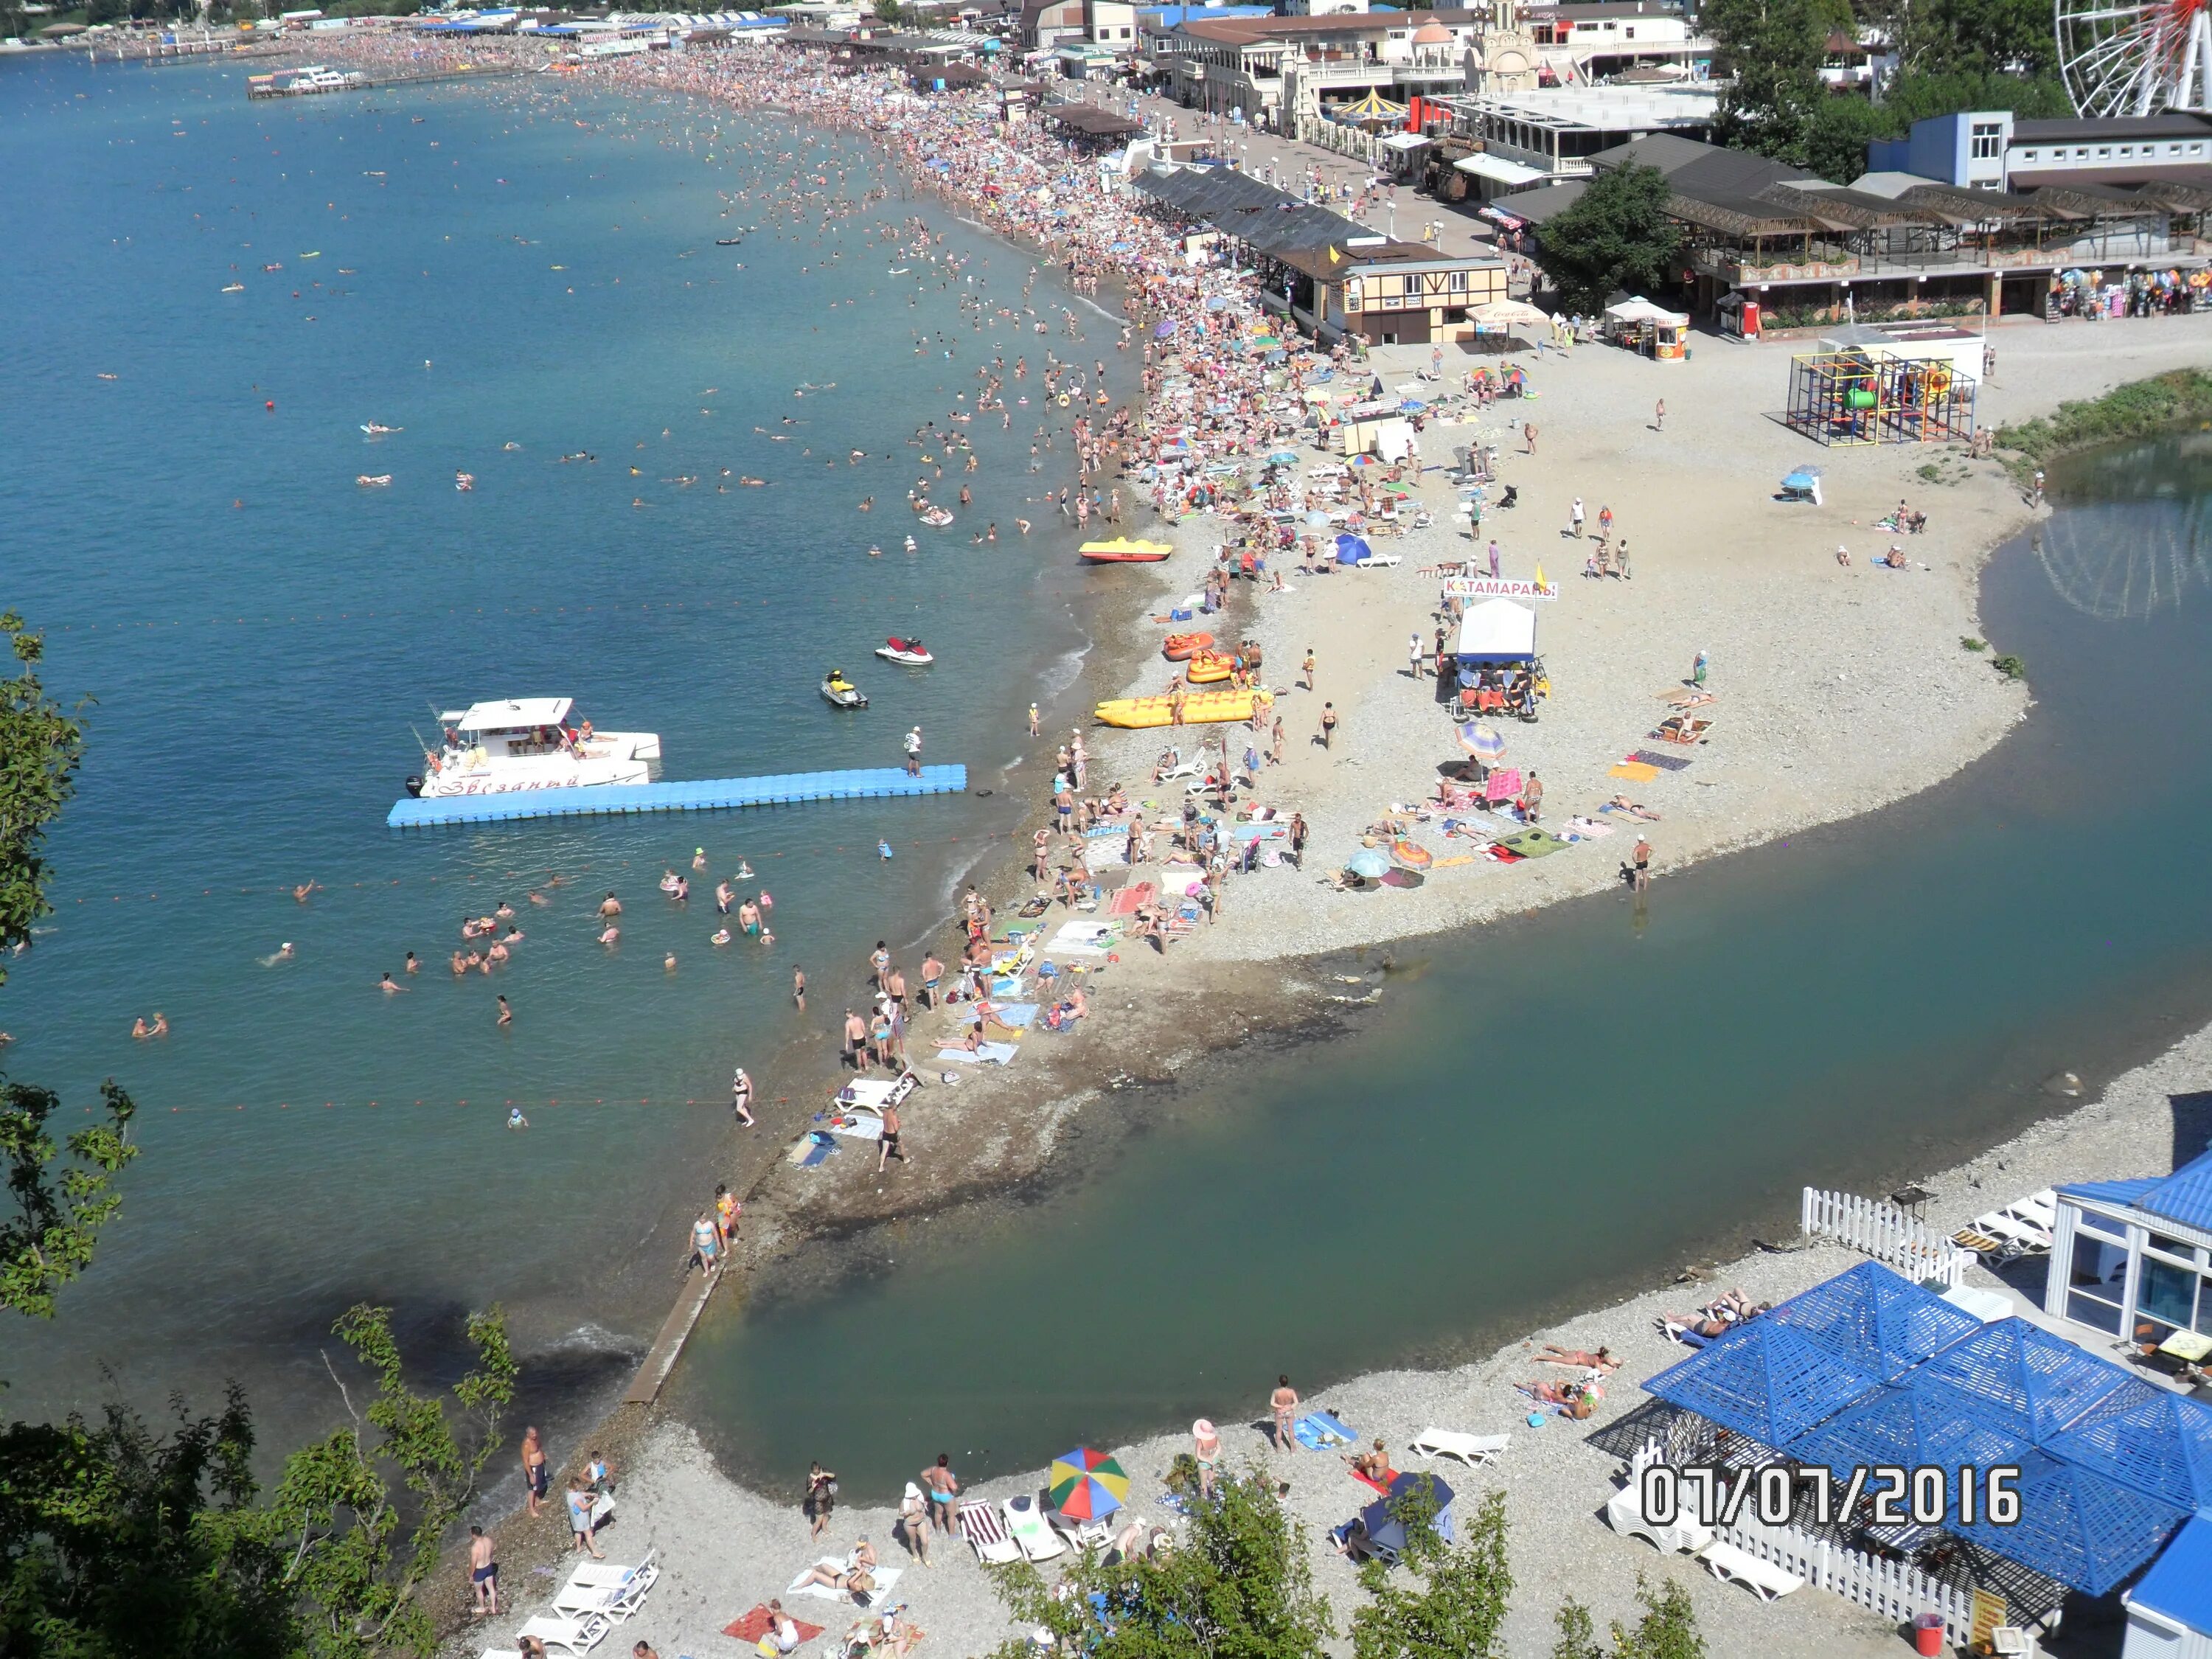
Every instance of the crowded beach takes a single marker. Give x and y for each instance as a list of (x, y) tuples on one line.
[(1367, 678)]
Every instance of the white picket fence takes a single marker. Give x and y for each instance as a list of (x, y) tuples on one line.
[(1889, 1590), (1885, 1233)]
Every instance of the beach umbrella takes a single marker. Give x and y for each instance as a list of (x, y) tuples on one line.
[(1317, 521), (1350, 549), (1217, 302), (1282, 458), (1484, 742), (1087, 1485), (1369, 863), (1161, 330)]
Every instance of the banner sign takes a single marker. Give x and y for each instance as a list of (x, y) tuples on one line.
[(1497, 587)]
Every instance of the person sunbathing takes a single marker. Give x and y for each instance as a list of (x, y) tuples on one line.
[(1634, 809), (1603, 1360), (1375, 1465), (1697, 1324), (1577, 1399)]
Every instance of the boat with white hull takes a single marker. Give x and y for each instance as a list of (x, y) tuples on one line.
[(529, 743)]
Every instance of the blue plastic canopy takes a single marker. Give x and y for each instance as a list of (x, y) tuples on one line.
[(1350, 549)]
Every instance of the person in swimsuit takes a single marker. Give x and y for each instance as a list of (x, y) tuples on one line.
[(535, 1476), (741, 1097), (580, 1517), (1284, 1402), (942, 1486), (1206, 1441), (821, 1498), (484, 1573)]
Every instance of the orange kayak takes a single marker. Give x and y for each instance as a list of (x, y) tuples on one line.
[(1180, 645)]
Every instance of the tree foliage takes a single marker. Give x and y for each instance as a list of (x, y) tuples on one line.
[(1617, 236), (41, 745), (356, 1551), (1772, 51), (1667, 1630), (120, 1544), (2008, 39), (1237, 1587), (1456, 1607)]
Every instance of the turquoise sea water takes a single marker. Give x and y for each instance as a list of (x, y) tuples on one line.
[(513, 263), (1549, 1108)]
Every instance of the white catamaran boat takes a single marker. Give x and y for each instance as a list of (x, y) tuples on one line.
[(491, 748)]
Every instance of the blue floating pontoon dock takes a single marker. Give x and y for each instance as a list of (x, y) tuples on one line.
[(706, 795)]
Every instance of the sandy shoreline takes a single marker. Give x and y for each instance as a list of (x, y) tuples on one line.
[(726, 1547), (1802, 648)]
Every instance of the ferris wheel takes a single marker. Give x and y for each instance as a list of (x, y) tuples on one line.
[(2136, 56)]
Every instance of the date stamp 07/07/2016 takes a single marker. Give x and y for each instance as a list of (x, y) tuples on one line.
[(1891, 1494)]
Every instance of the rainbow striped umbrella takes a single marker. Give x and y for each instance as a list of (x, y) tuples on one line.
[(1087, 1485)]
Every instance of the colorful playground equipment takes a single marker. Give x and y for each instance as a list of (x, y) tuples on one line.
[(1864, 395)]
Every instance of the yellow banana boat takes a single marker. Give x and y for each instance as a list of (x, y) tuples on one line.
[(1198, 708)]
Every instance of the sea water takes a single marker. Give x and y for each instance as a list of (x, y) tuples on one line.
[(510, 272), (1547, 1111)]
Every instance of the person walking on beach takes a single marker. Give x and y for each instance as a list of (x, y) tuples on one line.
[(1328, 723), (1493, 558), (1532, 798), (1415, 656), (821, 1498), (1309, 667), (1528, 435), (741, 1097), (705, 1250), (726, 1211), (1640, 875), (484, 1573), (1575, 519), (1659, 421), (1284, 1403), (1034, 730), (535, 1477), (1621, 560), (798, 988), (856, 1039)]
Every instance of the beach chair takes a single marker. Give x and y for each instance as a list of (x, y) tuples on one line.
[(602, 1588), (985, 1529), (2036, 1210), (1473, 1450), (1084, 1535), (1038, 1541), (570, 1636), (1762, 1578), (1623, 1513)]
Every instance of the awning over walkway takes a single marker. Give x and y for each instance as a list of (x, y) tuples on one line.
[(1498, 170)]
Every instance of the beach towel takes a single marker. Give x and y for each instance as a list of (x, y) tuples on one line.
[(1533, 843), (1457, 858), (1503, 784), (1320, 1432), (1664, 763), (811, 1151), (857, 1125), (1634, 771), (751, 1626), (1082, 938), (987, 1054), (885, 1576), (1006, 984), (1366, 1480), (1013, 1015), (1125, 902), (1587, 829)]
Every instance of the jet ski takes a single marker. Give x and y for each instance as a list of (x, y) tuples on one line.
[(841, 693), (912, 653)]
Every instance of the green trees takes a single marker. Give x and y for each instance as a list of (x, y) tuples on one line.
[(1616, 236), (1236, 1588), (1456, 1607), (1772, 50), (1667, 1630)]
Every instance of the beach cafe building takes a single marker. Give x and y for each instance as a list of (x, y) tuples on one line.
[(2133, 1260), (1798, 250), (1867, 1370)]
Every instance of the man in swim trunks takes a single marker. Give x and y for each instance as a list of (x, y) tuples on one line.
[(484, 1573), (887, 1147)]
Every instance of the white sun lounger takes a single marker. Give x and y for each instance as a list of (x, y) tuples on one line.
[(984, 1527), (1762, 1578), (2037, 1209), (1473, 1450), (600, 1587), (1038, 1541), (1623, 1513), (873, 1094), (1086, 1534), (574, 1636)]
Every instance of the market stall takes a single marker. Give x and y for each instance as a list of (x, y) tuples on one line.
[(1653, 330)]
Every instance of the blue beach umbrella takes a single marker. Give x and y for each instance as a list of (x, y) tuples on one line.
[(1350, 549), (1483, 742), (1369, 863), (1161, 330), (1282, 458)]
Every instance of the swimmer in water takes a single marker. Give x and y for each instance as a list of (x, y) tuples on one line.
[(160, 1024), (720, 936), (506, 1013), (610, 934), (284, 953), (744, 871), (140, 1029), (515, 1119), (698, 858), (389, 987), (305, 889), (413, 966), (668, 963)]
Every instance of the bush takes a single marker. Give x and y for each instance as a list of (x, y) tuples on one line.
[(2135, 411)]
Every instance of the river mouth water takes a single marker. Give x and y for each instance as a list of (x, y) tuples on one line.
[(1548, 1111)]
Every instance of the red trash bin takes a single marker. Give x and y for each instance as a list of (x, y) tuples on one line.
[(1927, 1635)]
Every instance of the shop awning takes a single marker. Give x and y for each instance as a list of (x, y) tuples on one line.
[(1499, 170), (1403, 141), (1497, 630)]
